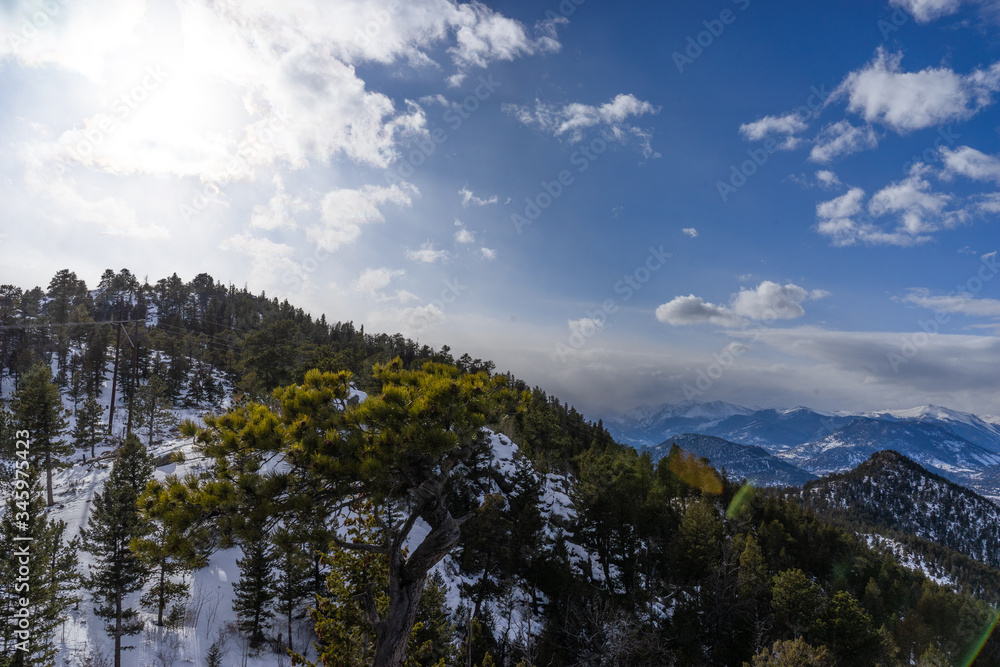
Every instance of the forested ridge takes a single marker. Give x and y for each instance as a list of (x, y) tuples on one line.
[(343, 508)]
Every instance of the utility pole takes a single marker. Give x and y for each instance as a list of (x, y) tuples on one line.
[(114, 375), (135, 367)]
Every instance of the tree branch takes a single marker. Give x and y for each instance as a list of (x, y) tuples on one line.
[(404, 529), (360, 546), (367, 600)]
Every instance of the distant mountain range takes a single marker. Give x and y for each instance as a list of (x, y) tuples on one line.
[(738, 461), (932, 444), (960, 446)]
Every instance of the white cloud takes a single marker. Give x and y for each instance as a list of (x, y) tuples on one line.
[(61, 202), (904, 101), (417, 319), (691, 309), (484, 36), (372, 281), (911, 204), (928, 10), (573, 119), (690, 231), (920, 211), (463, 235), (345, 211), (488, 254), (585, 326), (827, 179), (470, 199), (841, 139), (969, 162), (989, 203), (769, 300), (249, 85), (427, 254), (964, 304), (785, 126), (270, 263), (75, 36), (845, 206), (278, 212)]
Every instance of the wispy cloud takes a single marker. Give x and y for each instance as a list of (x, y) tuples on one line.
[(573, 120), (470, 199), (427, 254)]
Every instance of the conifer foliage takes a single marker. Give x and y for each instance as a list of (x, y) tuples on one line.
[(38, 410), (402, 450), (42, 571), (113, 524)]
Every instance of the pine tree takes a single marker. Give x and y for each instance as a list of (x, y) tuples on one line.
[(38, 410), (155, 551), (77, 382), (293, 585), (794, 653), (89, 429), (406, 450), (113, 524), (8, 432), (51, 580), (214, 656), (65, 292), (255, 589), (153, 407), (173, 546)]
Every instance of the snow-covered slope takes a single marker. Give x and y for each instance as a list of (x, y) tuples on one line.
[(892, 491), (930, 444), (977, 430), (210, 612)]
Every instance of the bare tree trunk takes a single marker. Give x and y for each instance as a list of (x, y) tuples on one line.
[(406, 581), (118, 630), (161, 602), (48, 477)]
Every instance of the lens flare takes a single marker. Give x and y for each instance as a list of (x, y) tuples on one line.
[(982, 641), (695, 472), (741, 501)]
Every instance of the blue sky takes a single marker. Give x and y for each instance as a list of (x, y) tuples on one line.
[(773, 203)]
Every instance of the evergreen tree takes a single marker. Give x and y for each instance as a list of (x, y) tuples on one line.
[(698, 539), (153, 407), (406, 448), (293, 585), (173, 545), (89, 429), (214, 656), (796, 600), (255, 589), (113, 524), (8, 432), (793, 653), (38, 410), (50, 583), (77, 381), (65, 292), (343, 625)]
